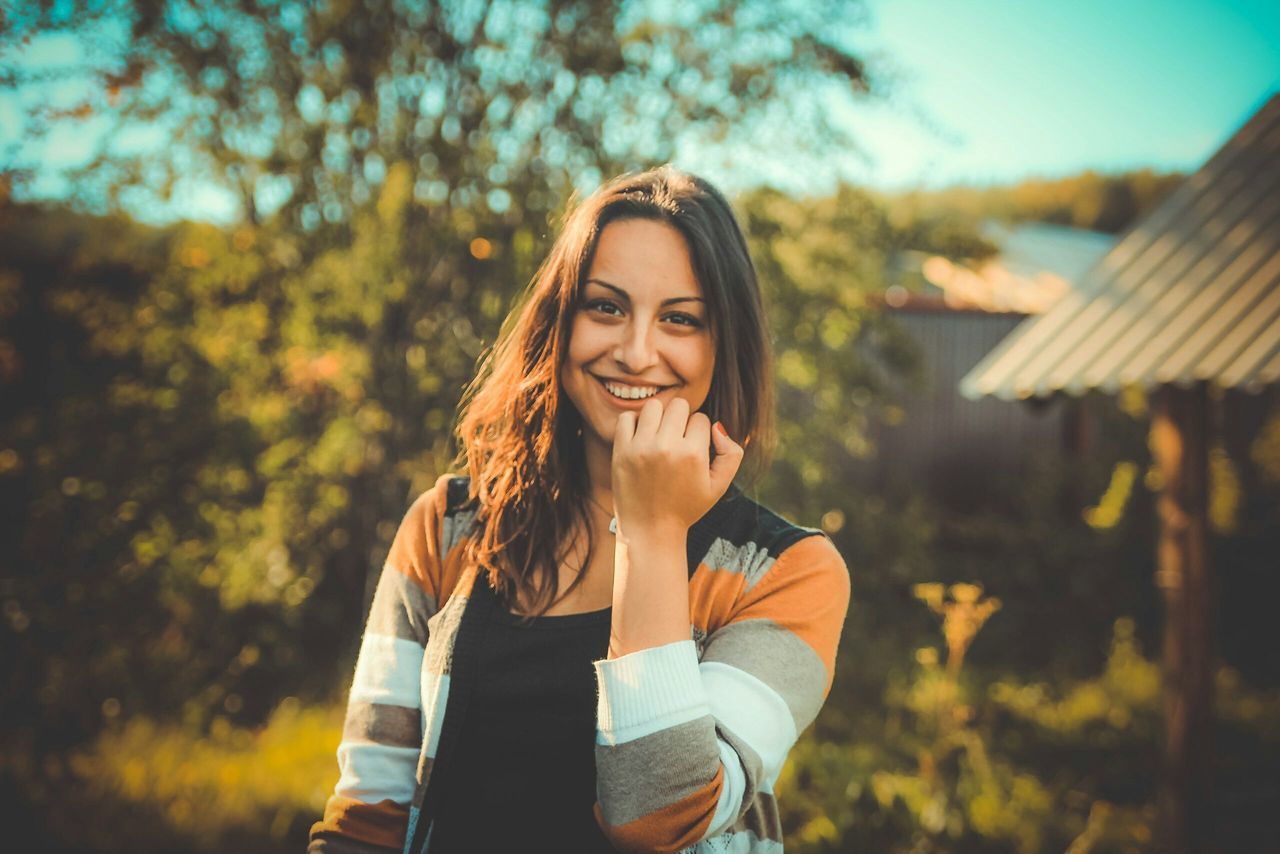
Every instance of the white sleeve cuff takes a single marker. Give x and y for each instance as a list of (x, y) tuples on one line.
[(648, 690)]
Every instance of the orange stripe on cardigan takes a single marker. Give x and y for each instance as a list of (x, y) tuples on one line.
[(712, 593), (383, 823), (415, 551), (806, 591), (671, 828)]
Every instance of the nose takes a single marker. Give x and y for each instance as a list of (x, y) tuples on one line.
[(635, 350)]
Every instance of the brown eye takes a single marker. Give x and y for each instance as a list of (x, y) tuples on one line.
[(683, 319), (604, 306)]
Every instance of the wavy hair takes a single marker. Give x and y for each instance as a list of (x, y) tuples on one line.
[(521, 438)]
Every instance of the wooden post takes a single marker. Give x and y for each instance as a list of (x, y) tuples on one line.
[(1179, 446), (1077, 446)]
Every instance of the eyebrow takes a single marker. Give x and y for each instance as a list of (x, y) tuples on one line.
[(627, 296)]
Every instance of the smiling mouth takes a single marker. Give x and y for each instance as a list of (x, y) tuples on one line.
[(624, 391)]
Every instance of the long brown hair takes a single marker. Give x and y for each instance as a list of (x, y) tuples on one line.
[(521, 438)]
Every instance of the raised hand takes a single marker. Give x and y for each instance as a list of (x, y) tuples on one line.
[(663, 477)]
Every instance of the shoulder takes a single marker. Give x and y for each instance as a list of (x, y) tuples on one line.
[(449, 495), (446, 508), (424, 547), (743, 519), (790, 595), (742, 535), (456, 490)]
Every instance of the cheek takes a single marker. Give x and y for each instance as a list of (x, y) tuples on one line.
[(704, 361), (581, 350), (585, 343), (697, 366)]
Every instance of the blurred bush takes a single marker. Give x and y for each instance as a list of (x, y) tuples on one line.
[(964, 761), (149, 786)]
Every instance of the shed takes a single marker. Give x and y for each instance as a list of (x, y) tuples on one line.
[(1187, 300), (953, 315)]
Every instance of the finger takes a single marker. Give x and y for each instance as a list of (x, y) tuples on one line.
[(697, 436), (728, 458), (649, 420), (675, 418), (698, 431), (624, 430)]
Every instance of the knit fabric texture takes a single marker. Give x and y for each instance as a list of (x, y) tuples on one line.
[(690, 736)]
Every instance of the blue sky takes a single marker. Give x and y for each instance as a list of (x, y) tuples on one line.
[(987, 91), (1040, 87)]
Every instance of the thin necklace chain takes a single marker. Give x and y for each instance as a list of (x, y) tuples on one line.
[(613, 520)]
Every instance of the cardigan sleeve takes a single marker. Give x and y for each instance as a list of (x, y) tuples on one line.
[(683, 747), (382, 733)]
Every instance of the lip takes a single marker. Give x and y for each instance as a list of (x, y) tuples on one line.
[(627, 404)]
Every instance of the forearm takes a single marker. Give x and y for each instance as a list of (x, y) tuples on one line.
[(650, 590)]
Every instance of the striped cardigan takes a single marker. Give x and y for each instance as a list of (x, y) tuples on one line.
[(690, 736)]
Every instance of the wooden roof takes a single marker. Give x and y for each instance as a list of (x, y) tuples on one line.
[(1191, 292)]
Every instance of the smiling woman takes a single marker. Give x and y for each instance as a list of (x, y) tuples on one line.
[(594, 637), (640, 330)]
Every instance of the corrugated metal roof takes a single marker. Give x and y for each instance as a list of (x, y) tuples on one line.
[(1191, 292)]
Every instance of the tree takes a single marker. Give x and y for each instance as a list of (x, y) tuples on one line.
[(497, 107), (254, 386), (1108, 203)]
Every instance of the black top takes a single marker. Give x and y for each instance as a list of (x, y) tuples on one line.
[(523, 774)]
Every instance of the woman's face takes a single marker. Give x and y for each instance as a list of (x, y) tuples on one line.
[(640, 329)]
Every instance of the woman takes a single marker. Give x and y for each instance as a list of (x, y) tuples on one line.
[(594, 641)]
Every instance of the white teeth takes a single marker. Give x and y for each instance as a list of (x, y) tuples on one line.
[(630, 392)]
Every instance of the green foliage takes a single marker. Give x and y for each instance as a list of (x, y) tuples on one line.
[(1092, 200), (1048, 737), (823, 263), (963, 761), (939, 770), (1128, 687), (301, 110), (251, 789), (229, 777)]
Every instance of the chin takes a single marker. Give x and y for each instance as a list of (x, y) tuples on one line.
[(605, 431)]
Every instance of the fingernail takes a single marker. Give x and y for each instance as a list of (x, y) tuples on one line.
[(720, 429)]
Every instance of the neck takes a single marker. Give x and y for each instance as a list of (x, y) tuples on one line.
[(599, 457)]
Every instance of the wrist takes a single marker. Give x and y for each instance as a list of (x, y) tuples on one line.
[(650, 590), (652, 534)]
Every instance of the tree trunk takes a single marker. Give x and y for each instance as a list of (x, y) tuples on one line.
[(1179, 445)]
